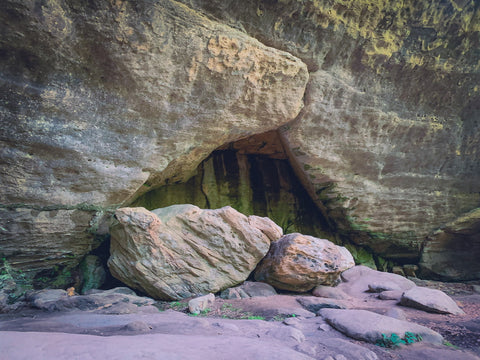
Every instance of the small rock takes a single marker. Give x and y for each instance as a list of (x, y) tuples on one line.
[(249, 289), (340, 357), (391, 295), (137, 326), (314, 304), (201, 303), (476, 288), (234, 293), (330, 292), (398, 270), (430, 300), (410, 270)]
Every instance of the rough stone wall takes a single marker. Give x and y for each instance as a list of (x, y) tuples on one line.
[(389, 138), (102, 100)]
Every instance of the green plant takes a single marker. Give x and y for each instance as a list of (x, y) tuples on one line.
[(395, 340), (201, 313), (449, 344), (177, 305), (254, 317), (281, 317)]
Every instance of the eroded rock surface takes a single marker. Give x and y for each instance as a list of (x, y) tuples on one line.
[(99, 99), (183, 251), (369, 326), (459, 239), (431, 300), (299, 262)]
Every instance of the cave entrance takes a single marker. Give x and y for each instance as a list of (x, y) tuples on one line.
[(254, 176)]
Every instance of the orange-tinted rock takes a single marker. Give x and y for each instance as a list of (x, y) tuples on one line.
[(299, 262)]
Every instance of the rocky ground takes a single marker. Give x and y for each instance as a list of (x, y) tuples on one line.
[(117, 324)]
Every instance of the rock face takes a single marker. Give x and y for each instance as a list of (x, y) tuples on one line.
[(299, 262), (183, 251), (459, 239), (101, 101)]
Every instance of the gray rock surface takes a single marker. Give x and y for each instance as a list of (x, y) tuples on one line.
[(329, 292), (113, 301), (315, 304), (358, 279), (201, 303), (164, 346), (299, 262), (368, 326), (391, 295), (164, 253), (431, 300), (248, 289)]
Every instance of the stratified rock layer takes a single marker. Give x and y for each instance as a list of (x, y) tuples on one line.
[(299, 262), (182, 251)]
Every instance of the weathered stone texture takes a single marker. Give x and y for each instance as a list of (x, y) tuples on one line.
[(299, 262), (182, 251), (101, 101), (389, 135), (98, 99), (451, 253)]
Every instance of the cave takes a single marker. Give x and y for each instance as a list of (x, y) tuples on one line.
[(254, 176)]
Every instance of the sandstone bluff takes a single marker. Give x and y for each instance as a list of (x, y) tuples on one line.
[(376, 105)]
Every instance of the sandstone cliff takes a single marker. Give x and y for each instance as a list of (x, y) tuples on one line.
[(101, 101)]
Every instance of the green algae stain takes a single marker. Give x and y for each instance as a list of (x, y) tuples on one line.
[(385, 27)]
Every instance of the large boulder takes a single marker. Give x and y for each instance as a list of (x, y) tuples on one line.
[(183, 251), (299, 262), (101, 100)]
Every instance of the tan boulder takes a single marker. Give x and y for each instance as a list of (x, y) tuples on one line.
[(183, 251), (299, 262)]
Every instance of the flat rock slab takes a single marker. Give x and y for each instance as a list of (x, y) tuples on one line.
[(46, 346), (119, 300), (368, 326), (430, 300), (360, 279)]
